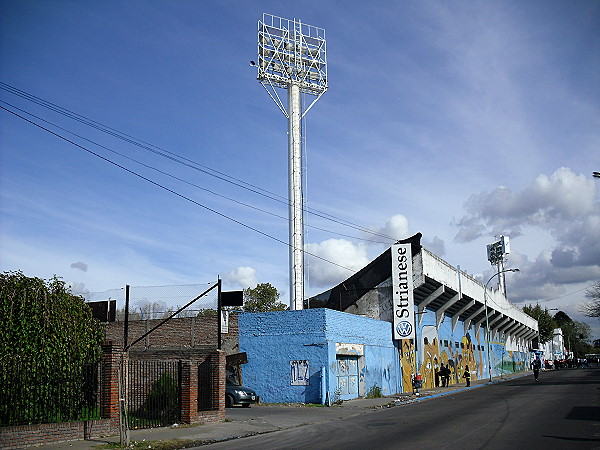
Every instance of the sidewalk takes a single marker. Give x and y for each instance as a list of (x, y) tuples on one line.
[(268, 418)]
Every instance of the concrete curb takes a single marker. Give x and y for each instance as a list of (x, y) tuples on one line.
[(273, 418)]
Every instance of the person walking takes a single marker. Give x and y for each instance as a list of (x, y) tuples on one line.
[(536, 365), (447, 373), (467, 376), (442, 373)]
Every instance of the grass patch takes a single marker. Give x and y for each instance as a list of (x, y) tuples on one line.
[(170, 444)]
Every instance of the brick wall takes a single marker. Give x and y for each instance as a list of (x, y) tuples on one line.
[(212, 361), (177, 332), (30, 435), (195, 387)]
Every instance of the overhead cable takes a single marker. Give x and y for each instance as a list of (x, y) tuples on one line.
[(182, 160), (181, 179), (256, 230)]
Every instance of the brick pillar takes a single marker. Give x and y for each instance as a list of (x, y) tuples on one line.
[(217, 360), (109, 400), (189, 391)]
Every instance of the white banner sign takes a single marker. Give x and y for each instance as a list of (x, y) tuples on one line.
[(299, 374), (224, 321), (402, 292)]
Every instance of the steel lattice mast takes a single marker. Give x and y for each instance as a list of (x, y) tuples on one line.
[(292, 56)]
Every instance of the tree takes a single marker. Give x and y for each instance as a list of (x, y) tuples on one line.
[(263, 298), (546, 323), (47, 336), (576, 334), (592, 308)]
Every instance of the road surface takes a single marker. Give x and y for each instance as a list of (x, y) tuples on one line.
[(561, 411)]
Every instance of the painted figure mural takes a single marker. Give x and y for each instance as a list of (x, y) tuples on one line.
[(407, 361), (436, 346)]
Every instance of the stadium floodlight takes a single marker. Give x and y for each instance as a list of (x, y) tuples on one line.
[(496, 253), (498, 250), (292, 56)]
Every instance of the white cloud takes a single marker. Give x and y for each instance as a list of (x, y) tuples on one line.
[(243, 277), (563, 205), (396, 226), (347, 256), (563, 198), (77, 288)]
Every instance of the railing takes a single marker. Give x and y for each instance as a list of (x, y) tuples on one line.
[(154, 393), (45, 393)]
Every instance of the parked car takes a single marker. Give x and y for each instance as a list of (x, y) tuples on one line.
[(239, 395)]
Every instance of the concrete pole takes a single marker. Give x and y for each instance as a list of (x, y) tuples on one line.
[(295, 197)]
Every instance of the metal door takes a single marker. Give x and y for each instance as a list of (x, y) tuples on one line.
[(347, 376)]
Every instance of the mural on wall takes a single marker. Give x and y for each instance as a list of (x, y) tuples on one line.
[(455, 355), (430, 365), (407, 363), (468, 358)]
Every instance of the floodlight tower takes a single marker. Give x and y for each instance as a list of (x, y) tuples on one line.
[(292, 56), (497, 252)]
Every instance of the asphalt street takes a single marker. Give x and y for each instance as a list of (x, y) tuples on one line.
[(561, 411)]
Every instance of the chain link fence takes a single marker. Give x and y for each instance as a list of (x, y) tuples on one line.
[(158, 302)]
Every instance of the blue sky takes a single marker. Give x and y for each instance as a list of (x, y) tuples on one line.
[(461, 120)]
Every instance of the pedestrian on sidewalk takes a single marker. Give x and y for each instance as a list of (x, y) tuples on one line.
[(536, 366), (442, 374), (447, 373), (467, 376)]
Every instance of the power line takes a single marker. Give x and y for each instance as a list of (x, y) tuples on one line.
[(180, 159), (256, 230), (181, 179), (562, 296)]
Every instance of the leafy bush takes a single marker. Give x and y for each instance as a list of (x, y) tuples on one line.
[(374, 392), (162, 405), (47, 337)]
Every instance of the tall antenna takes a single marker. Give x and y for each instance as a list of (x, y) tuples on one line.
[(292, 56)]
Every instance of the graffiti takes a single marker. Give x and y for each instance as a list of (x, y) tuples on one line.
[(299, 373), (407, 362), (430, 359), (468, 356)]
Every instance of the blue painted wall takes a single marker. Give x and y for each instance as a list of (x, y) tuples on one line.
[(272, 340)]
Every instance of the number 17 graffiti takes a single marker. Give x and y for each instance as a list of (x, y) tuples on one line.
[(299, 374)]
